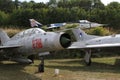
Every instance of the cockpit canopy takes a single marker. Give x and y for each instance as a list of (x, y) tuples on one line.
[(28, 32)]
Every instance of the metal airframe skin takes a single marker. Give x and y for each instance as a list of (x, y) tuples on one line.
[(34, 41)]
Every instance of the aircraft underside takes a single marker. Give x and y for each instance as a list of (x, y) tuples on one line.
[(14, 56)]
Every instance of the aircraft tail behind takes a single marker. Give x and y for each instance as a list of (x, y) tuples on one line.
[(34, 23), (3, 37), (80, 35)]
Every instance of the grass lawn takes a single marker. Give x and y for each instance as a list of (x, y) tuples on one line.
[(70, 69)]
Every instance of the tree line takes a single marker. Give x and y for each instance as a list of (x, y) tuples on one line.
[(18, 13)]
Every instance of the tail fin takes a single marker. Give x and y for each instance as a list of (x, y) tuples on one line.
[(34, 23), (3, 37), (80, 35)]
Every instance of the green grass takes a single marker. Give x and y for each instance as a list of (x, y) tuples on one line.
[(70, 69)]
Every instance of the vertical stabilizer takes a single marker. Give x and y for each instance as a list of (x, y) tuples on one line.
[(34, 23), (80, 35), (3, 37)]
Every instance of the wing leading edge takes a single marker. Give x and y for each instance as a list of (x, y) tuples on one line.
[(10, 47), (79, 45)]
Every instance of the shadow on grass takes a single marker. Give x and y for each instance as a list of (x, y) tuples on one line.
[(15, 71), (79, 65)]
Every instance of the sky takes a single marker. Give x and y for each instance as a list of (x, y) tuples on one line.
[(103, 1), (108, 1)]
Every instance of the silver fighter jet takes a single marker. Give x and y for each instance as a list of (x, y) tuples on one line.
[(25, 44)]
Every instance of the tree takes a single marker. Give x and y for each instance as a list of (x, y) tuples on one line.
[(16, 3), (3, 18), (113, 14), (85, 4), (6, 6), (52, 2), (19, 17), (39, 6)]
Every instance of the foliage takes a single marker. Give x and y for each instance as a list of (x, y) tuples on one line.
[(85, 4), (71, 26), (19, 17), (17, 13), (98, 31), (7, 5), (113, 15), (3, 18)]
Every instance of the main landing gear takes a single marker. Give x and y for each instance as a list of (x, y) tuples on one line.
[(41, 65), (87, 57)]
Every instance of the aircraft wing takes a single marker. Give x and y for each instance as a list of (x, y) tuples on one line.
[(79, 45), (10, 47), (104, 45)]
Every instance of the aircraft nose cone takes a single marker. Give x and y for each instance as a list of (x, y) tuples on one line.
[(65, 41)]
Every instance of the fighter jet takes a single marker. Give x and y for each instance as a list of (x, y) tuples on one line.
[(88, 24), (32, 41), (56, 25), (35, 23), (88, 43), (83, 24)]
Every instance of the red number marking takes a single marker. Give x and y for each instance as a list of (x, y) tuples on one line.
[(37, 43)]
